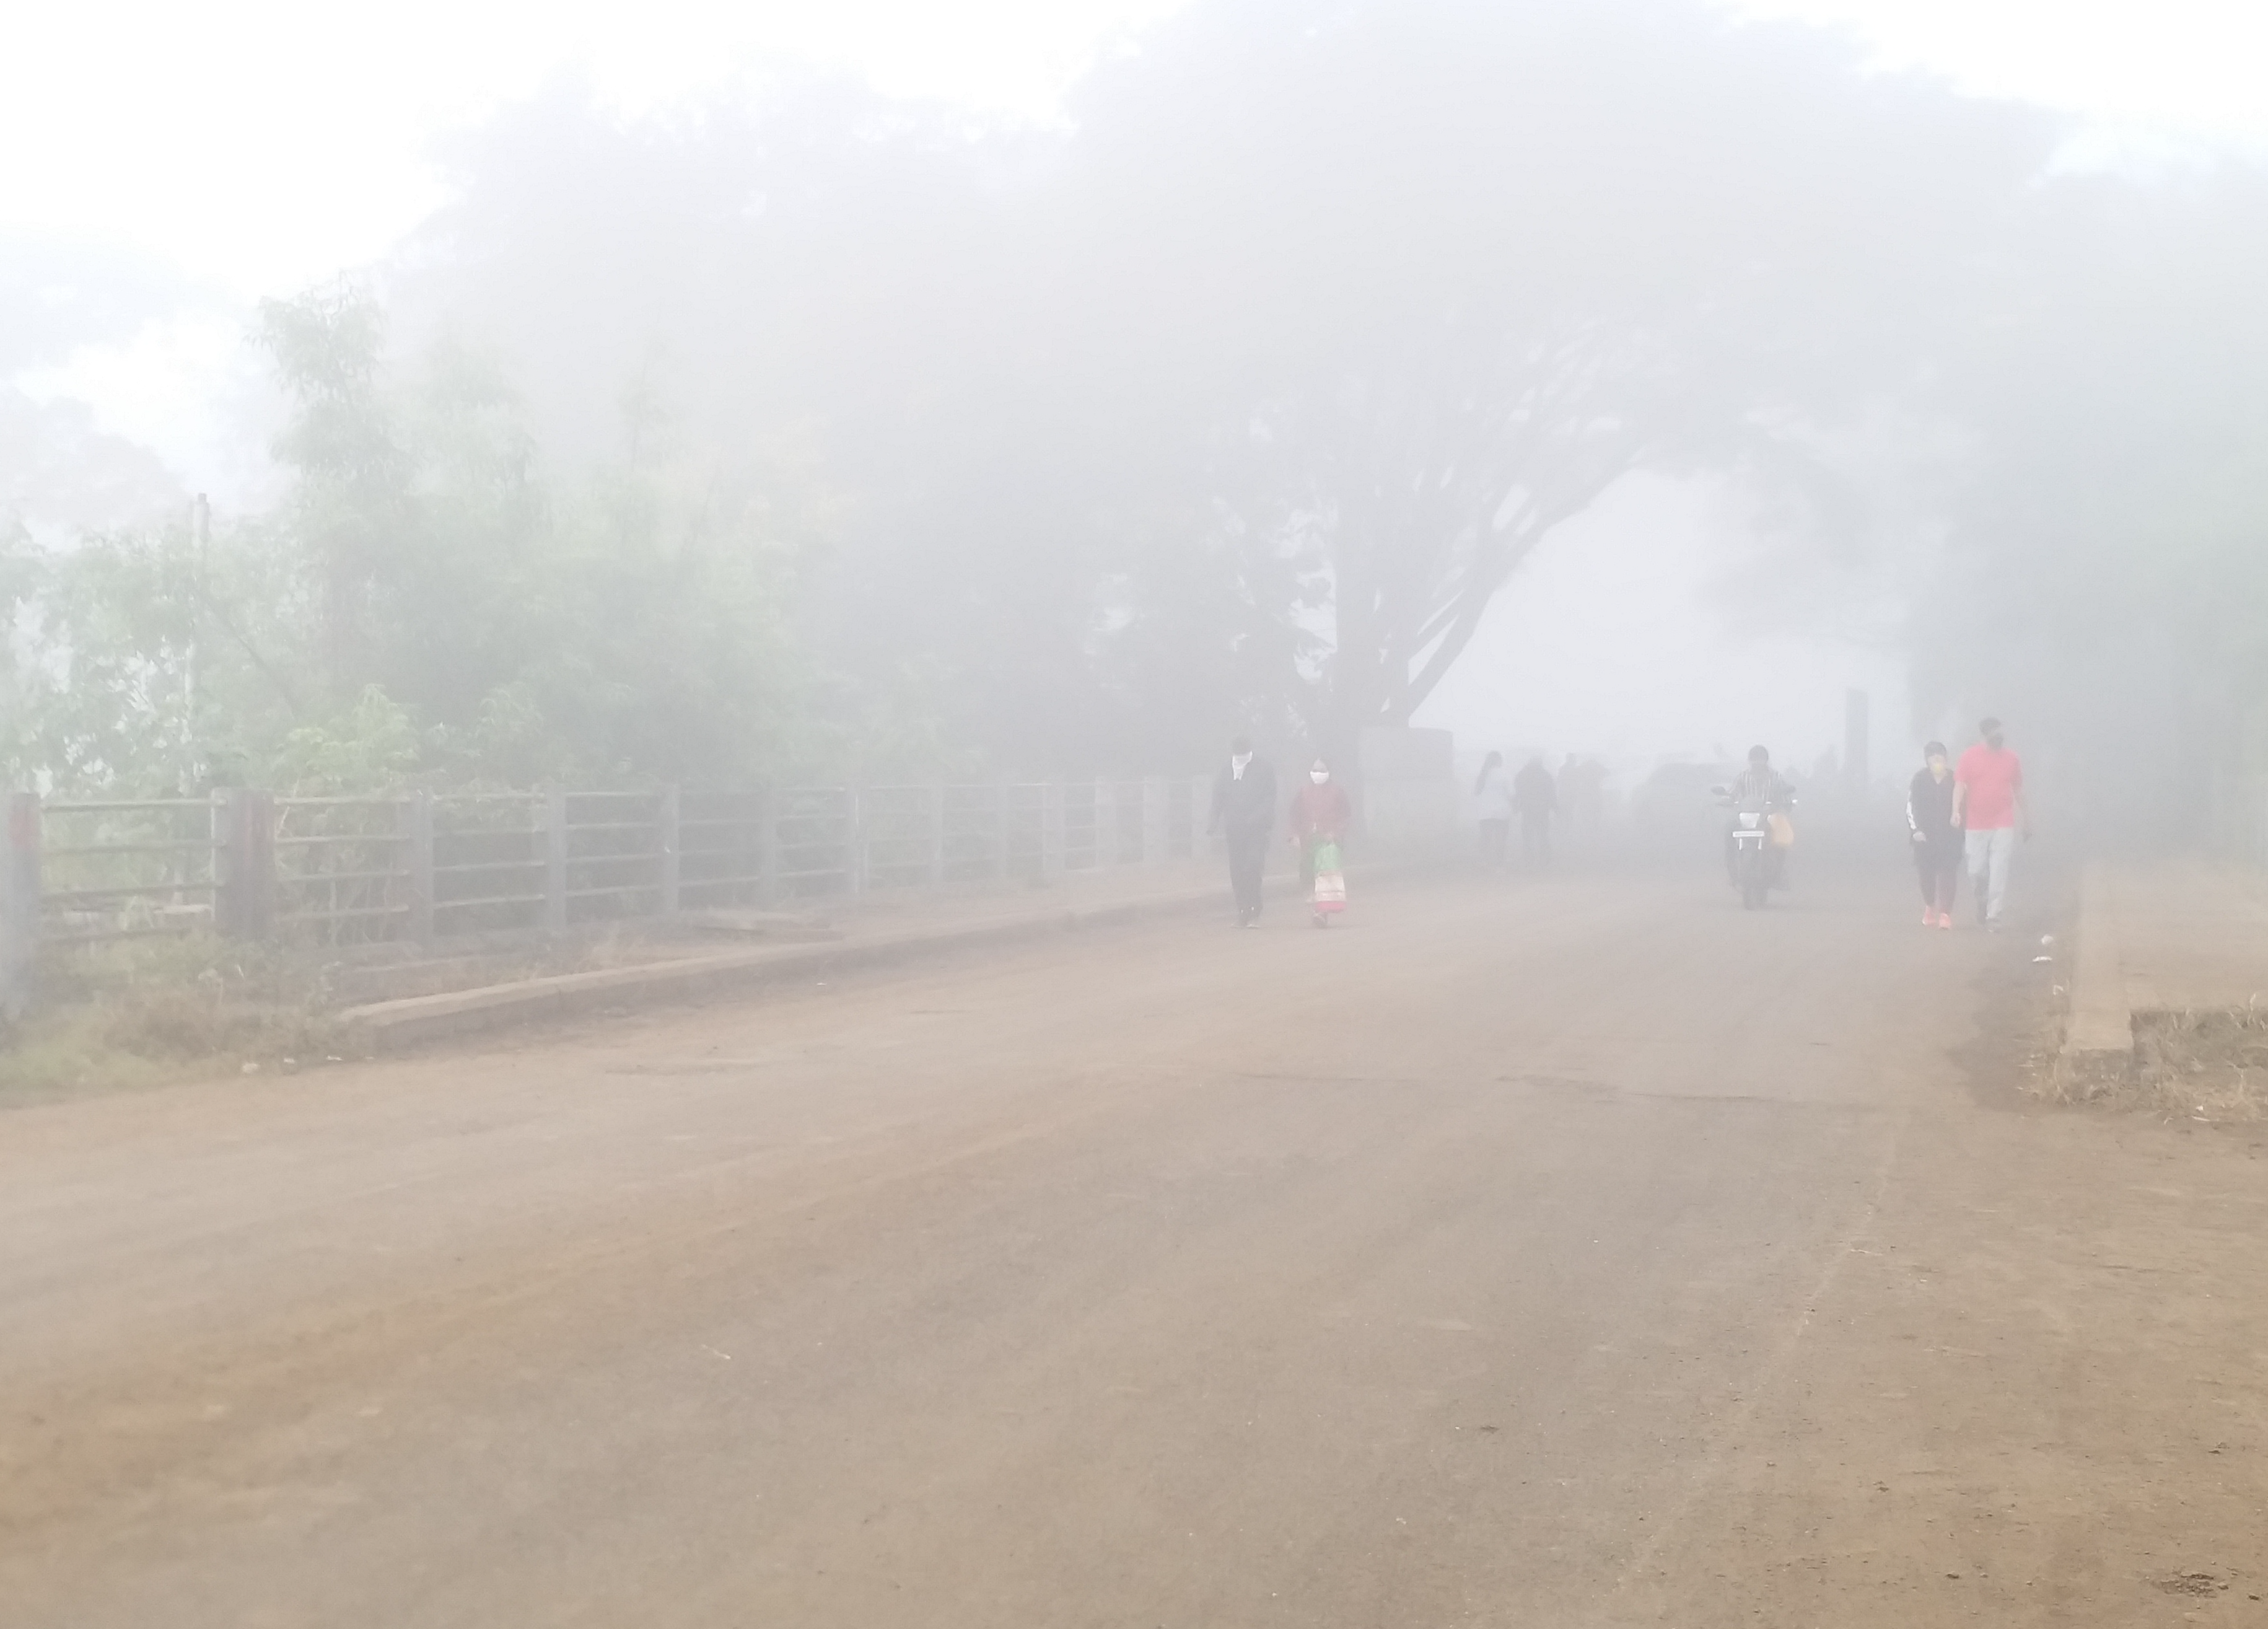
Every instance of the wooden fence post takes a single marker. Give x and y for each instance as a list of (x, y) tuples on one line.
[(555, 860), (1153, 822), (1200, 816), (19, 901), (244, 858), (667, 821), (417, 818)]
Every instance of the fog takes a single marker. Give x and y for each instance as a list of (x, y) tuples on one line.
[(1644, 584), (987, 814), (1632, 379)]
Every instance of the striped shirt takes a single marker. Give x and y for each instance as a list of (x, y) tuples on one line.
[(1760, 783)]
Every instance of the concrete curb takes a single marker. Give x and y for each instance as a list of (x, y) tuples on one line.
[(391, 1026), (2098, 1044)]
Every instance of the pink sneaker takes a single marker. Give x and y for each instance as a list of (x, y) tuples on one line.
[(1928, 916), (1945, 918)]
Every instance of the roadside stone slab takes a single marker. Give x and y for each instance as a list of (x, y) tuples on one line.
[(2099, 1044), (390, 1025)]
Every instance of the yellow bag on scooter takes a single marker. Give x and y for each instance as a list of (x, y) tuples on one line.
[(1782, 830)]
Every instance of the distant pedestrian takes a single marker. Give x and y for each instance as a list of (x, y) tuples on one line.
[(1937, 840), (1582, 798), (1988, 800), (1492, 800), (1244, 811), (1321, 816), (1536, 795)]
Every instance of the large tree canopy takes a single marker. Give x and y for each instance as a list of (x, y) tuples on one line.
[(808, 427), (1462, 268), (1245, 394)]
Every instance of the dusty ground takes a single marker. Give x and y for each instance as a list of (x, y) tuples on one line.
[(1581, 1253)]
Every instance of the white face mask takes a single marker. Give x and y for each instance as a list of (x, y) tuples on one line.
[(1319, 776), (1238, 760)]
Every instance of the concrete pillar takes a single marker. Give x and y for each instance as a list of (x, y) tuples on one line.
[(1106, 823), (417, 826), (854, 844), (767, 884), (667, 835), (1855, 744), (244, 863), (555, 860), (1051, 831), (19, 902)]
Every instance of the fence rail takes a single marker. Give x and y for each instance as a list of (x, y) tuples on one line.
[(425, 867)]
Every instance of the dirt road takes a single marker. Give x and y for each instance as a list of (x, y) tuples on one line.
[(1577, 1253)]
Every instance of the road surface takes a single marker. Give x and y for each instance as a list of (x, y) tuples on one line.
[(1576, 1252)]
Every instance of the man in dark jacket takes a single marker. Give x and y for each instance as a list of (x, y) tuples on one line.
[(1537, 798), (1244, 808)]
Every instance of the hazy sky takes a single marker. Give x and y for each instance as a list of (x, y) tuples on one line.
[(264, 144)]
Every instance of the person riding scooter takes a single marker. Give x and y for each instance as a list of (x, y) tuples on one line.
[(1761, 788)]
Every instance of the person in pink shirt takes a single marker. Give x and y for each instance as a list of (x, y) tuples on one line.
[(1988, 804)]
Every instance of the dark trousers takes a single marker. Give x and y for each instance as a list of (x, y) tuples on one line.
[(1939, 865), (1536, 838), (1247, 858)]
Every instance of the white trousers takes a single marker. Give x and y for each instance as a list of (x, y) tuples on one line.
[(1988, 853)]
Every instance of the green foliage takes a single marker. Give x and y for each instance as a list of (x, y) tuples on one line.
[(426, 602), (373, 743)]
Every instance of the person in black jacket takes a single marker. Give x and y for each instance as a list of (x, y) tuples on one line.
[(1537, 796), (1244, 808), (1937, 839)]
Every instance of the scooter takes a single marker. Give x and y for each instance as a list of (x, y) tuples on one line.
[(1752, 855)]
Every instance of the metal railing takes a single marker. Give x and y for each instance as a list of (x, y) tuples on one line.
[(126, 869), (425, 867)]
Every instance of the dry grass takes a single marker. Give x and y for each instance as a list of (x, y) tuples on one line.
[(144, 1013), (2210, 1065), (2052, 1076)]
